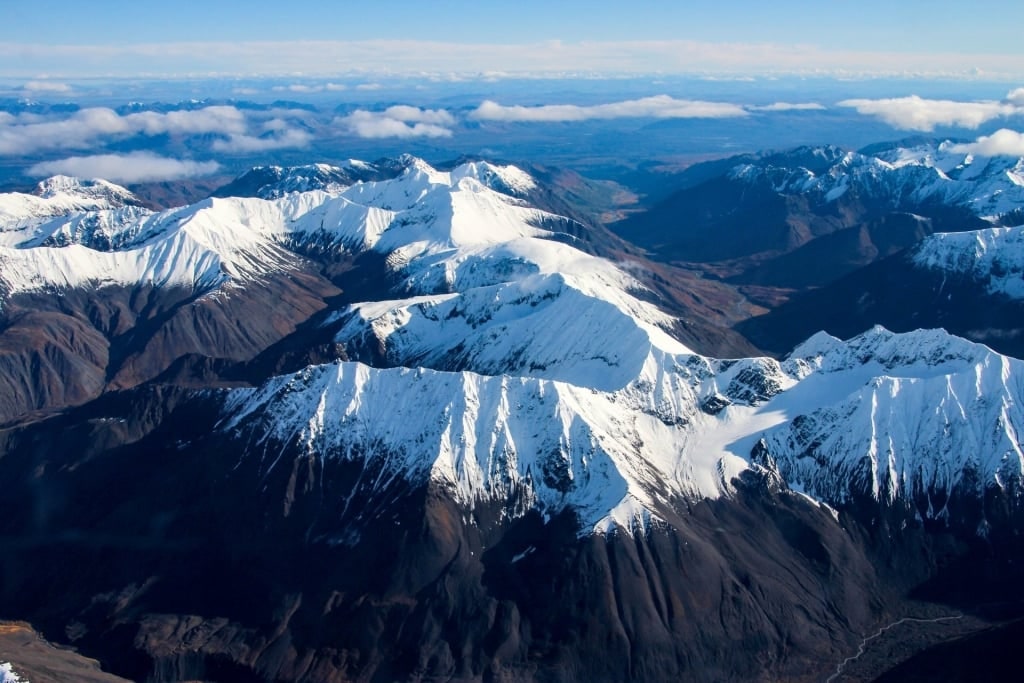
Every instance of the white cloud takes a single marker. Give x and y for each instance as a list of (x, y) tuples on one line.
[(276, 125), (1004, 142), (219, 119), (87, 127), (917, 113), (294, 87), (659, 106), (280, 138), (310, 88), (1016, 97), (788, 106), (403, 112), (369, 86), (46, 86), (399, 121), (138, 167)]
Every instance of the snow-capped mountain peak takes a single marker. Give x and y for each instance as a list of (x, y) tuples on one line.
[(896, 175), (993, 257), (472, 265), (96, 189), (274, 182), (58, 196), (932, 416)]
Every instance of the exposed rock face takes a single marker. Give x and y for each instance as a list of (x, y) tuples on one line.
[(316, 529), (185, 573), (41, 661), (58, 351), (968, 283)]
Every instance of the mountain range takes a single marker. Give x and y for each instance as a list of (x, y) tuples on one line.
[(386, 421)]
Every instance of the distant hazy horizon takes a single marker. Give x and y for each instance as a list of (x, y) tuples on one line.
[(134, 90), (871, 38)]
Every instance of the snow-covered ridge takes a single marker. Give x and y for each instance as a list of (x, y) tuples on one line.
[(99, 190), (994, 256), (274, 182), (947, 420), (484, 438), (481, 286), (884, 415), (988, 186), (90, 233), (61, 195)]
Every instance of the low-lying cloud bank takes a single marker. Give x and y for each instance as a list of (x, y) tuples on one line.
[(26, 134), (44, 86), (305, 88), (1016, 96), (918, 113), (137, 167), (659, 106), (277, 134), (399, 121), (1003, 142)]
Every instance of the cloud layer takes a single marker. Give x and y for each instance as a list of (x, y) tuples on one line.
[(917, 113), (659, 106), (277, 134), (416, 57), (138, 167), (400, 121), (1004, 142), (46, 87), (304, 88), (27, 134)]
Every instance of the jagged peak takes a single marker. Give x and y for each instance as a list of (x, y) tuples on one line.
[(917, 416), (272, 182), (933, 348), (92, 189), (895, 175), (507, 179), (993, 257), (503, 178), (817, 345)]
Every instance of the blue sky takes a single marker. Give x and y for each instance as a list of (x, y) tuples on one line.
[(66, 38), (981, 25)]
